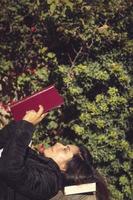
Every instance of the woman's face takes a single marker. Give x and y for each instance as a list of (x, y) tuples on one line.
[(61, 154)]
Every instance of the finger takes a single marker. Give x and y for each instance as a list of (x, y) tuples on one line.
[(40, 111), (43, 115), (30, 111)]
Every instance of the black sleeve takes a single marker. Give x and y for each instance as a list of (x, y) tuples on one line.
[(6, 133), (28, 180), (15, 147)]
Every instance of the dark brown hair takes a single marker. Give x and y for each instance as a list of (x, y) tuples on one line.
[(81, 170)]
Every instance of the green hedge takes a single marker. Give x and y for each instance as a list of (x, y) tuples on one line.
[(85, 48)]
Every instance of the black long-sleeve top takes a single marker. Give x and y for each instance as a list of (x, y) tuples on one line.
[(24, 174)]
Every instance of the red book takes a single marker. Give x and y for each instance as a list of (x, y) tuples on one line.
[(49, 98)]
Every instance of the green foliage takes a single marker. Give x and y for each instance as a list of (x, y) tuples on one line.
[(85, 48)]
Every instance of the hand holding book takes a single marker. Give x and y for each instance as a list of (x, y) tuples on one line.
[(49, 98), (35, 117)]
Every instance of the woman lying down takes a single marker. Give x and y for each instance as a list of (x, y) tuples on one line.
[(28, 175)]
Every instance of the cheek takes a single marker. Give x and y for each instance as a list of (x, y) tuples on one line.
[(67, 157), (63, 157)]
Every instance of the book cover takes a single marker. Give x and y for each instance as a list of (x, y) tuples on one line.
[(77, 189), (49, 98)]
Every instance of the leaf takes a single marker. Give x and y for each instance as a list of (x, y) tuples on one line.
[(52, 8), (50, 1)]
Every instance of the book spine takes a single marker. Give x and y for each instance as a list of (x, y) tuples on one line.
[(27, 98)]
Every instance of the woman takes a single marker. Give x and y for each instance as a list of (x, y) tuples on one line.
[(27, 175)]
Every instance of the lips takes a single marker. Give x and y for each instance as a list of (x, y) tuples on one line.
[(41, 148)]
